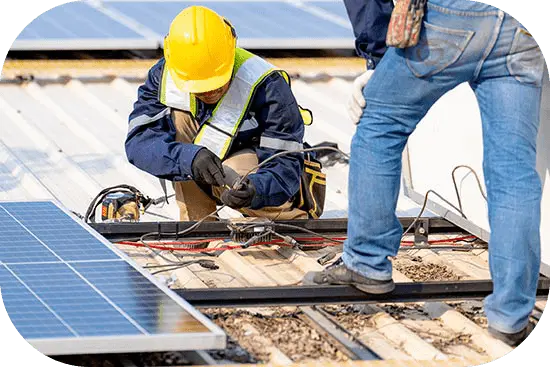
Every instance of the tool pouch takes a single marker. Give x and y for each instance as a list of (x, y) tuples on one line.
[(313, 185), (405, 23)]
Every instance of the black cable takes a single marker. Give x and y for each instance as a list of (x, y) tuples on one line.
[(305, 230), (207, 264), (98, 199), (239, 182), (424, 208)]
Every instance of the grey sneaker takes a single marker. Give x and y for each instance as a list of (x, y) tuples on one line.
[(512, 340), (338, 273)]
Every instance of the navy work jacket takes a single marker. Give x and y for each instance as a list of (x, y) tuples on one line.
[(273, 113), (370, 19)]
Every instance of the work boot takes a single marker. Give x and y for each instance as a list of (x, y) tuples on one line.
[(514, 339), (338, 273)]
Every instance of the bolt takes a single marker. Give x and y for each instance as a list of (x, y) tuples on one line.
[(421, 230)]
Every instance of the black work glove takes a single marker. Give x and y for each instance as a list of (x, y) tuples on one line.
[(207, 168), (241, 197)]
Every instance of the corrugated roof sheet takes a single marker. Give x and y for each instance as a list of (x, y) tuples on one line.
[(64, 139)]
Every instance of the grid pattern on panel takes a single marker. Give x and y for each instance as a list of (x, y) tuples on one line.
[(73, 21), (251, 19), (60, 281)]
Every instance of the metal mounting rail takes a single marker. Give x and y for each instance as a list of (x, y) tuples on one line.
[(126, 231), (342, 294)]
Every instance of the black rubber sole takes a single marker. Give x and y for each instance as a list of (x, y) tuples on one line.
[(382, 288)]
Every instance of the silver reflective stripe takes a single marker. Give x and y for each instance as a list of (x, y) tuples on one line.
[(144, 119), (173, 96), (231, 109), (279, 144), (235, 101), (214, 140)]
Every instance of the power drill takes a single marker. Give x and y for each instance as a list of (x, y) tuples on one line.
[(120, 206)]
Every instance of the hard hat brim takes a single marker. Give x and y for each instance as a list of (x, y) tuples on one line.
[(204, 85)]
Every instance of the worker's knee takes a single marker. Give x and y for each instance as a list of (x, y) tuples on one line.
[(242, 161)]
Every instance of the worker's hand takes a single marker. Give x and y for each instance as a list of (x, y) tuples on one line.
[(207, 168), (357, 102), (241, 197)]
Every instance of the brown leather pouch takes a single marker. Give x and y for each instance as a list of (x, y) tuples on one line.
[(405, 23)]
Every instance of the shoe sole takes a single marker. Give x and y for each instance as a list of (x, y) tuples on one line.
[(372, 289), (376, 289)]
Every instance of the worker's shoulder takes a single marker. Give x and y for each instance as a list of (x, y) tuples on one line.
[(274, 80), (155, 72)]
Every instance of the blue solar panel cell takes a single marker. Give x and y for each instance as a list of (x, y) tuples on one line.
[(130, 290), (17, 244), (74, 300), (75, 20), (60, 282), (42, 223), (251, 19), (31, 317), (335, 7)]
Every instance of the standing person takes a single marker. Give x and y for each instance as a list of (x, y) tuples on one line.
[(208, 103), (461, 41)]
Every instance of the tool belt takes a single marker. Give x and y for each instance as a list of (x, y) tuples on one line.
[(405, 23), (313, 185)]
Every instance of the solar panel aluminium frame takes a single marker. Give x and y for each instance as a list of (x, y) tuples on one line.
[(214, 339), (295, 43), (90, 44)]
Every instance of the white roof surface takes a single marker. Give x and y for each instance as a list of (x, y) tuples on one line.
[(66, 141)]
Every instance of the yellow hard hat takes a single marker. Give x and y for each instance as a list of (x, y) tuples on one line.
[(200, 50)]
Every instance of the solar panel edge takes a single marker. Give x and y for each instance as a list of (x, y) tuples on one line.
[(127, 344), (85, 44), (187, 338), (176, 298)]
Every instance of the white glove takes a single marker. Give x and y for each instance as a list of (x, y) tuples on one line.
[(356, 102)]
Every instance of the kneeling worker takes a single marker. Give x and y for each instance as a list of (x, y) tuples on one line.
[(208, 102)]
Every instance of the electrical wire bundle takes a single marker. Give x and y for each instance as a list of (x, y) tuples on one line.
[(315, 242)]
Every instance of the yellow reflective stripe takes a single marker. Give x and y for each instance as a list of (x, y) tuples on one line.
[(193, 105), (313, 210), (236, 127), (312, 164), (213, 139), (307, 116), (200, 135), (163, 86), (231, 109), (241, 55)]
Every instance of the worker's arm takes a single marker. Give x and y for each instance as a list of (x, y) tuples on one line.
[(150, 144), (370, 19), (276, 111)]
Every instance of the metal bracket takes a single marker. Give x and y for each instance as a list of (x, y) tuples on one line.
[(421, 232)]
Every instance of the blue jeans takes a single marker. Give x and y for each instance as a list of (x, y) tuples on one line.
[(461, 41)]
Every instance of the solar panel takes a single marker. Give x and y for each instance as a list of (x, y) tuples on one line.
[(259, 24), (335, 7), (69, 291), (79, 26)]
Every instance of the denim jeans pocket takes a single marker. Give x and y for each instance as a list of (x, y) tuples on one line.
[(437, 49), (525, 61)]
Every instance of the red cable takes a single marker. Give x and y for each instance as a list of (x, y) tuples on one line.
[(448, 240), (280, 242)]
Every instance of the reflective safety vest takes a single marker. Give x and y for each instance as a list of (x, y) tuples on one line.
[(219, 131)]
